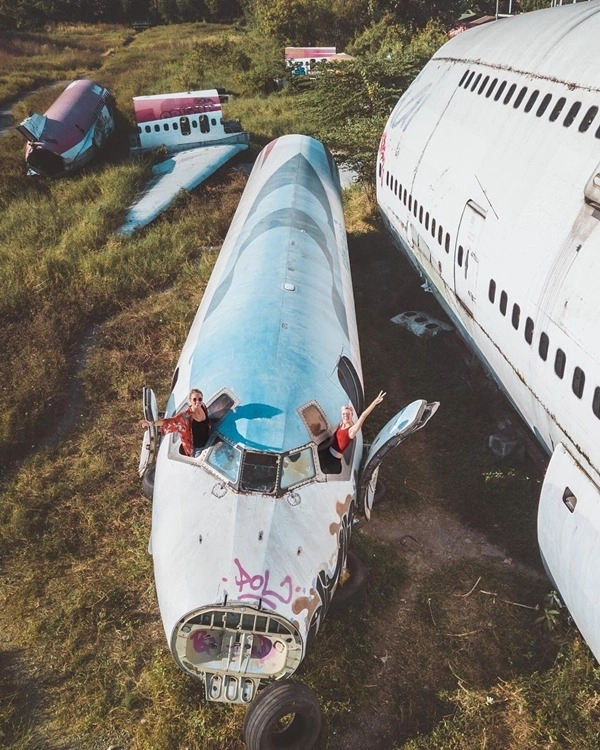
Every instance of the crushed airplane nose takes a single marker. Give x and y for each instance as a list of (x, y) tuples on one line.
[(71, 132)]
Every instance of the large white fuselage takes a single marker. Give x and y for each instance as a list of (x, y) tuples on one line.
[(487, 177), (249, 537)]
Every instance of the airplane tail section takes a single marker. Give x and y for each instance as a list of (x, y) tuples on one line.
[(569, 537)]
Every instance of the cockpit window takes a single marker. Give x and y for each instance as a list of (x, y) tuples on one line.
[(219, 406), (315, 420), (298, 466), (225, 458), (259, 472), (267, 473)]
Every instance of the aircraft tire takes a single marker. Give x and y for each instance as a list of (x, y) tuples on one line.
[(148, 482), (353, 590), (379, 493), (285, 714)]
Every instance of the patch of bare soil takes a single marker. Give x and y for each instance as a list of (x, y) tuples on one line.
[(459, 521)]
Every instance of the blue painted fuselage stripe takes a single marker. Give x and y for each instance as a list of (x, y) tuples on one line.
[(277, 348)]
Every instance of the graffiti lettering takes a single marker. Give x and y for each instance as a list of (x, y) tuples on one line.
[(408, 106), (203, 642), (257, 587)]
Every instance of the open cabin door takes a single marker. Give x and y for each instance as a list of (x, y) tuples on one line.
[(569, 539), (466, 263), (409, 420), (150, 440)]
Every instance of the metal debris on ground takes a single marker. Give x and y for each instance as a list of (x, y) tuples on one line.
[(421, 324)]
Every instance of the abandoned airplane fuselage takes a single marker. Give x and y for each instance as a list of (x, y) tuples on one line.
[(249, 537)]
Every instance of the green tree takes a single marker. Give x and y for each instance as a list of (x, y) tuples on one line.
[(288, 21), (529, 5), (349, 103), (224, 11)]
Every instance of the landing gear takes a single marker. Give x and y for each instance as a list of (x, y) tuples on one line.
[(352, 586), (285, 715), (379, 492), (148, 482)]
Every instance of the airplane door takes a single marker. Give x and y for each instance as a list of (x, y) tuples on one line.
[(569, 539), (466, 263), (151, 437), (409, 420)]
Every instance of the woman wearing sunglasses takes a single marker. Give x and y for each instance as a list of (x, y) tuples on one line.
[(193, 424)]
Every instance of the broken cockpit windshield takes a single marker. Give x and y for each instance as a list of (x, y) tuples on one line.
[(225, 458), (268, 473)]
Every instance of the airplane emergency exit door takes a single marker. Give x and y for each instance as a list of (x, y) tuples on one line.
[(466, 263)]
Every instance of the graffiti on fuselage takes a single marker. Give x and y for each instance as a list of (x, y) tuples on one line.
[(204, 642), (382, 143), (258, 587), (408, 106)]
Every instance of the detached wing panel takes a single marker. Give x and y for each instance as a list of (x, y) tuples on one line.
[(182, 171)]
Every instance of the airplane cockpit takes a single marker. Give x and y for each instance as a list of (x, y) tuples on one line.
[(248, 470), (267, 473)]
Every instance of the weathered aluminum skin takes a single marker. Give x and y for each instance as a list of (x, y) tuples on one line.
[(181, 171), (497, 140), (276, 316)]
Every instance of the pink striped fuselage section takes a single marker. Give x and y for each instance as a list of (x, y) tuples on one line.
[(148, 109)]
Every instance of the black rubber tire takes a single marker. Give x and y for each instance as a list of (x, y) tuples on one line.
[(379, 493), (353, 591), (148, 482), (274, 702)]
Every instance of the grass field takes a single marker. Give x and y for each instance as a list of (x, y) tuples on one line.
[(87, 319)]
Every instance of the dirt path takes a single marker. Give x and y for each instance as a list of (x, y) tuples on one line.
[(6, 118)]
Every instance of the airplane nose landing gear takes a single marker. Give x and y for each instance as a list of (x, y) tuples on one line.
[(285, 714)]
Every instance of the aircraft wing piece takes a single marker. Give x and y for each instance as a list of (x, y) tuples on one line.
[(182, 171)]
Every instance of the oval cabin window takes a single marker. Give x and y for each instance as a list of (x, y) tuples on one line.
[(503, 303), (578, 382)]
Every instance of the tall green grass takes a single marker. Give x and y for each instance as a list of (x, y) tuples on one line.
[(33, 59), (548, 709), (89, 662)]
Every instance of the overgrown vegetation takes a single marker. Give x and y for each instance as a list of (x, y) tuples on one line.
[(85, 659)]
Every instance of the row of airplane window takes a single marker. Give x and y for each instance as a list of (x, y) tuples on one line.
[(436, 230), (443, 238), (475, 81), (185, 125), (560, 358)]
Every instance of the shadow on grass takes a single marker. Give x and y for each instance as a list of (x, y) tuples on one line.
[(19, 702)]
